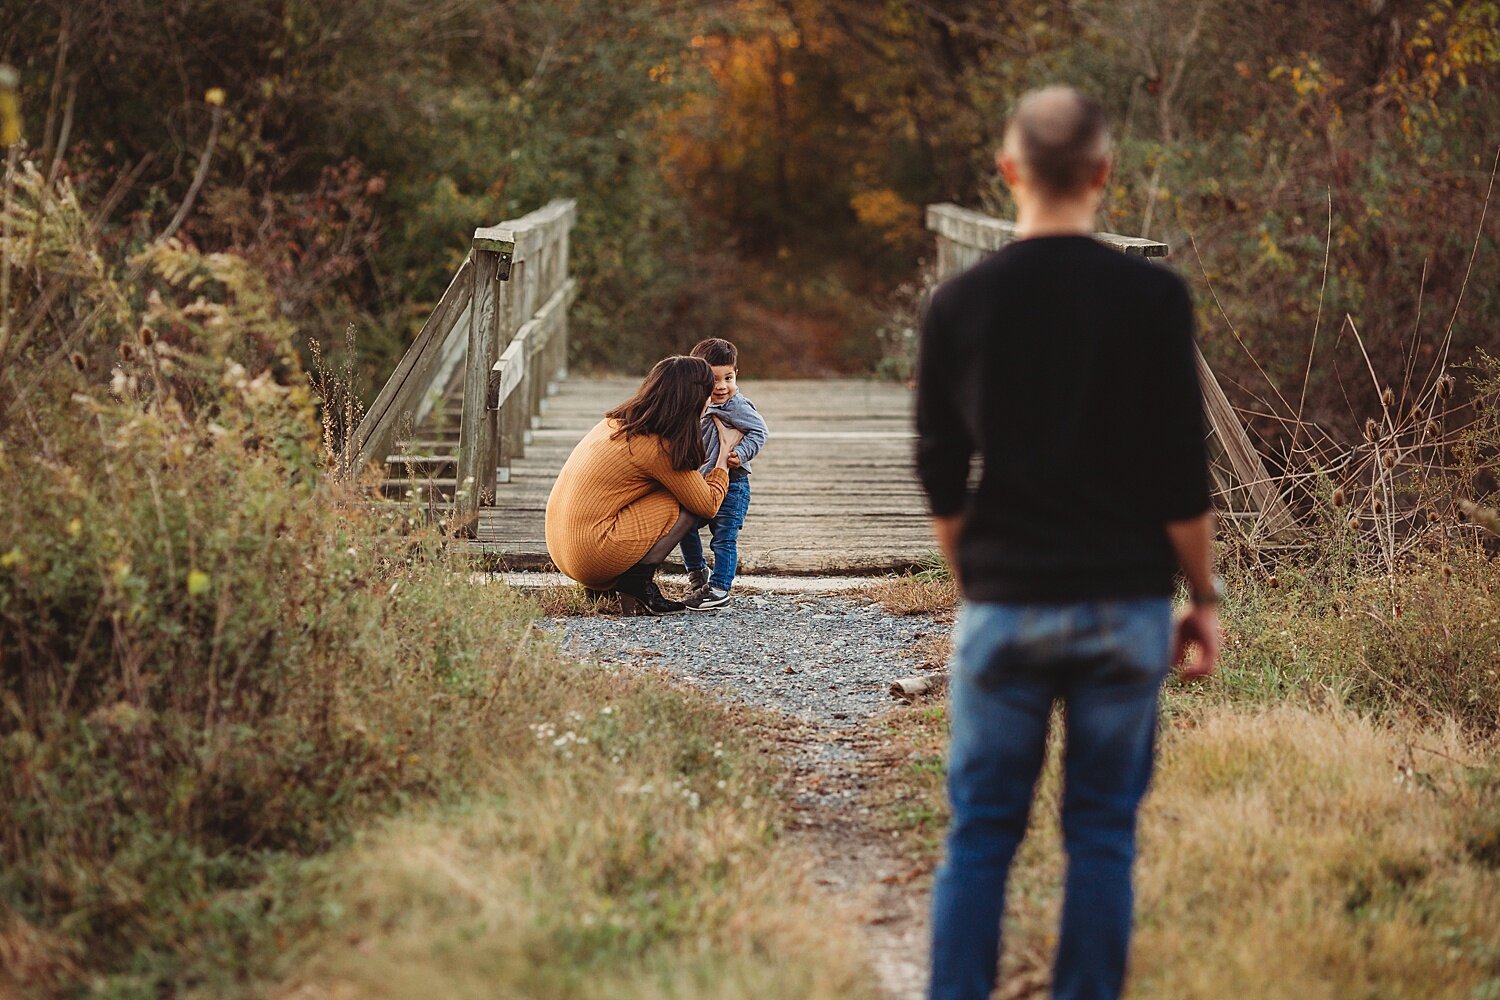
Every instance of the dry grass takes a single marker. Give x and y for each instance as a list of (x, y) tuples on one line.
[(1326, 819), (570, 601), (931, 592), (926, 593), (1298, 853), (1421, 649), (1285, 852), (634, 860)]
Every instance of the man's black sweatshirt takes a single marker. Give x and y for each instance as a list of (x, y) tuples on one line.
[(1068, 368)]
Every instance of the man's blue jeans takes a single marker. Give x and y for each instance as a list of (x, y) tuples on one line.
[(724, 530), (1105, 660)]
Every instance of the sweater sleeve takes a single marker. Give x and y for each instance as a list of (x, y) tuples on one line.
[(944, 446), (699, 492)]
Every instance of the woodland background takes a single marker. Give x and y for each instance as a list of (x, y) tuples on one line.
[(757, 168), (262, 739)]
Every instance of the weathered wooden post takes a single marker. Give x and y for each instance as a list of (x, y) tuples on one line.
[(557, 368), (492, 253), (511, 375)]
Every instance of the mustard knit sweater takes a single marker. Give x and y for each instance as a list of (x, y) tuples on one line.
[(615, 498)]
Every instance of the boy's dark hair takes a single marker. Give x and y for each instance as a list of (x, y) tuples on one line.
[(716, 352), (668, 404)]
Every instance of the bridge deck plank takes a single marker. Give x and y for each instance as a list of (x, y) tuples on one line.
[(832, 492)]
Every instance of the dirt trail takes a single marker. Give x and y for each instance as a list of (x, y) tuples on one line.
[(828, 773), (820, 664)]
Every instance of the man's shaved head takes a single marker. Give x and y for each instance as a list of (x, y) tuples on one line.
[(1059, 139)]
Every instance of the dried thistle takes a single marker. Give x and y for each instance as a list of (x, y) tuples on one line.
[(1445, 386), (1487, 518), (1432, 428), (1388, 398), (1432, 517), (1377, 507), (1447, 572), (79, 361), (1417, 413), (1388, 460), (1370, 428), (1353, 523), (127, 352), (146, 336), (1339, 497)]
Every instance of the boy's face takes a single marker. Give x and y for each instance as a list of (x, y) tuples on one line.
[(724, 386)]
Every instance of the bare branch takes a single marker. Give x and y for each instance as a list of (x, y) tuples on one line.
[(198, 178)]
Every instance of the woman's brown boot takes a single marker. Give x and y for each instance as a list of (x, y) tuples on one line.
[(640, 595)]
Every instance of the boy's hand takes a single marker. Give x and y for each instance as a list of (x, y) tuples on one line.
[(734, 460)]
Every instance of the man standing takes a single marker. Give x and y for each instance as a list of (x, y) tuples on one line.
[(1068, 368)]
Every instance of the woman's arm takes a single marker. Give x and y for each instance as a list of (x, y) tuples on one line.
[(699, 493), (746, 419)]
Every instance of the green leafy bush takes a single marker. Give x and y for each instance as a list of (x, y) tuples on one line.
[(210, 655)]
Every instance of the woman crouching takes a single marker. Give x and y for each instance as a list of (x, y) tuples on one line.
[(631, 489)]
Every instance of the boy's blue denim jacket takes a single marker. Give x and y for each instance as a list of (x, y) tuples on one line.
[(741, 414)]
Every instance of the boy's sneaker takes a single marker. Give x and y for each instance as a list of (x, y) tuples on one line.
[(697, 580), (708, 599)]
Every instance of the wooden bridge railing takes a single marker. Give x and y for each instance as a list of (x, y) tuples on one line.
[(504, 319), (964, 237)]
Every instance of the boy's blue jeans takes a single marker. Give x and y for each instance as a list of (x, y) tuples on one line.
[(1106, 661), (724, 530)]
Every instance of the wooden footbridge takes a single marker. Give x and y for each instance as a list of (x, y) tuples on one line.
[(479, 416)]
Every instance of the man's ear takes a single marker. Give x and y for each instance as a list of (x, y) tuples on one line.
[(1009, 169), (1101, 174)]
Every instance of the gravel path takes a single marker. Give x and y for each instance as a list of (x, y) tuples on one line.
[(825, 659)]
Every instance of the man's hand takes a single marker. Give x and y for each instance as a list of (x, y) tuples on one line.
[(1193, 541), (734, 460), (947, 530), (1197, 626)]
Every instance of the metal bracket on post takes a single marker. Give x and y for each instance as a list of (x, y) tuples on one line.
[(504, 251)]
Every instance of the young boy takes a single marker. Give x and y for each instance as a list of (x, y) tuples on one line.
[(726, 404)]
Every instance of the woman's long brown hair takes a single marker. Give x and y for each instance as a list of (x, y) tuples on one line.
[(669, 404)]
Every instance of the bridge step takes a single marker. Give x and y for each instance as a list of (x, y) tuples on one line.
[(397, 463), (421, 490), (429, 446)]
